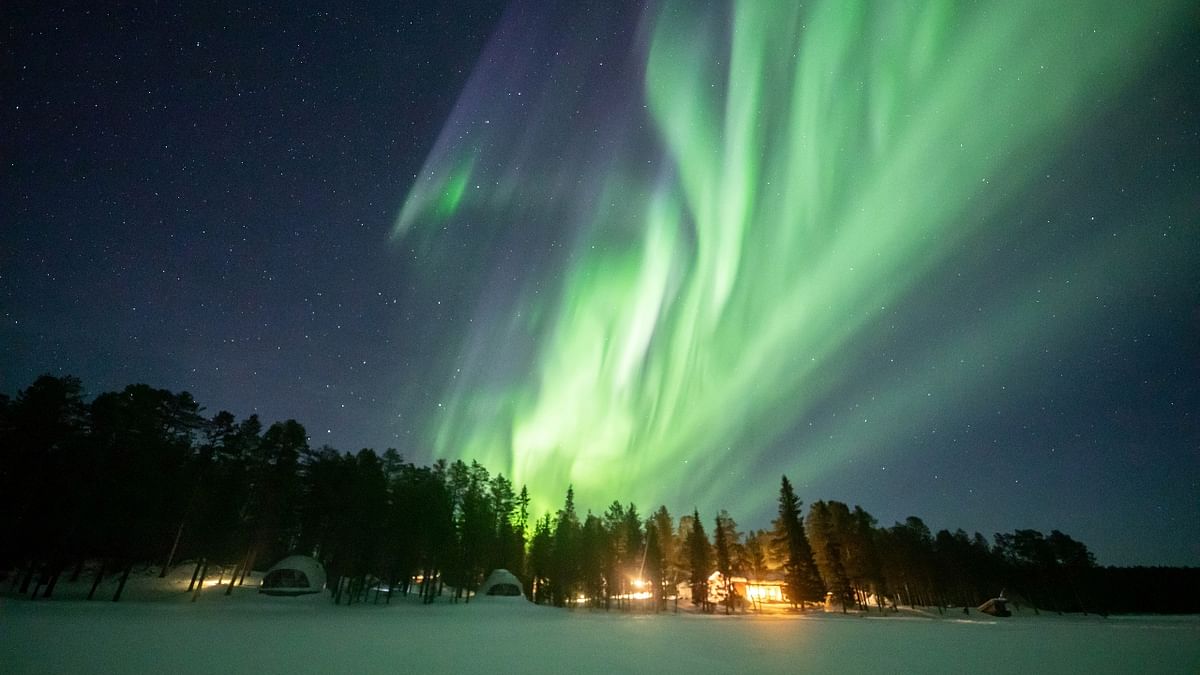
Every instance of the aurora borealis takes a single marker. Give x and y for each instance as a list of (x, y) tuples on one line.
[(935, 259), (771, 183)]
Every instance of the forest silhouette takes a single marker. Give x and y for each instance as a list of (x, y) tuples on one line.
[(142, 479)]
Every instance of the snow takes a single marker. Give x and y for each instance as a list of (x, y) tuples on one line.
[(249, 632)]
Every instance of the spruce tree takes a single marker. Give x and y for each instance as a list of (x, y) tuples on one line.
[(800, 571), (654, 568), (699, 557), (592, 539), (565, 581), (667, 544), (613, 552), (633, 562), (541, 560), (721, 539)]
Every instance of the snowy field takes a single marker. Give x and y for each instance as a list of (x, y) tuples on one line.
[(252, 633)]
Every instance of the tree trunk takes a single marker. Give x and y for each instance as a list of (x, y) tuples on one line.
[(121, 584), (429, 585), (37, 585), (187, 511), (75, 573), (54, 575), (195, 574), (232, 577), (1075, 592), (28, 578), (200, 583), (251, 556), (174, 547), (99, 576)]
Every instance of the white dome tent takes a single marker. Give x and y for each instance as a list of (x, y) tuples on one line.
[(294, 575), (501, 584)]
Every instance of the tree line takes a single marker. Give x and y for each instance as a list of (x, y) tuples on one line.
[(141, 477)]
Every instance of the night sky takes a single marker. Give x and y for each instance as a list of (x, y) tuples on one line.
[(939, 261)]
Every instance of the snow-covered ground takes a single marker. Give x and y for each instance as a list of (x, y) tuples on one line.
[(162, 631)]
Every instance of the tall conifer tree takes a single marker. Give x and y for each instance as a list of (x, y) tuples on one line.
[(700, 557), (800, 571), (722, 536), (565, 581)]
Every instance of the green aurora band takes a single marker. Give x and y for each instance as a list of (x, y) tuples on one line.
[(781, 178)]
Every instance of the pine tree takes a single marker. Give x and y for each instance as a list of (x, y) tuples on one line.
[(1075, 563), (757, 550), (541, 560), (699, 558), (668, 545), (47, 477), (860, 555), (655, 564), (592, 540), (509, 547), (613, 552), (633, 546), (145, 437), (827, 550), (907, 561)]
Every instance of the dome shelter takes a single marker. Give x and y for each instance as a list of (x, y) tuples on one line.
[(997, 606), (294, 575), (501, 583)]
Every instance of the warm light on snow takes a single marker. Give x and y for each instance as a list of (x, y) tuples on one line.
[(258, 633), (160, 628)]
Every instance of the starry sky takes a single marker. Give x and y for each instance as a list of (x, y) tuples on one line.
[(939, 261)]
